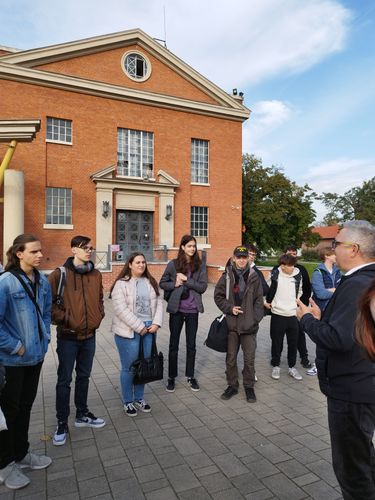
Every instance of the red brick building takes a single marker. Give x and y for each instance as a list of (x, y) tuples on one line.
[(135, 147)]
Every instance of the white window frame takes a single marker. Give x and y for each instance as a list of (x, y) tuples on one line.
[(128, 66), (59, 128), (135, 153), (58, 205), (200, 162), (200, 233)]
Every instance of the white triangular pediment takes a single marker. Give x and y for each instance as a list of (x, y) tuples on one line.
[(104, 173), (44, 55), (165, 178)]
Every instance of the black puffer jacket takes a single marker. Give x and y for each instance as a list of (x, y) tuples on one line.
[(252, 302), (344, 370)]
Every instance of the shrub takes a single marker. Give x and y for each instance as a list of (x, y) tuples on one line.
[(310, 255)]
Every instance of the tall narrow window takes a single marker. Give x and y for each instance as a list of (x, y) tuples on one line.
[(59, 130), (135, 153), (58, 205), (199, 161), (199, 223)]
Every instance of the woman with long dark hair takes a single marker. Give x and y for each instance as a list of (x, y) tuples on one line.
[(365, 325), (138, 312), (184, 281)]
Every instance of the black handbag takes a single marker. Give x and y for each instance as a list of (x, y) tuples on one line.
[(148, 369), (217, 338)]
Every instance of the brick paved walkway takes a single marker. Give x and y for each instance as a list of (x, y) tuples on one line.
[(193, 445)]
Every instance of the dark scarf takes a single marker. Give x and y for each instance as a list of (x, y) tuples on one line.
[(240, 282), (84, 268)]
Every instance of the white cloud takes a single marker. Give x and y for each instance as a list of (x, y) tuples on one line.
[(340, 175), (233, 44), (266, 117)]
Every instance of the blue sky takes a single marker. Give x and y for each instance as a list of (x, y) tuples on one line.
[(307, 68)]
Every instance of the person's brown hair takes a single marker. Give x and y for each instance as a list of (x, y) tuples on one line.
[(287, 260), (19, 245), (325, 252), (365, 323), (126, 273), (182, 264)]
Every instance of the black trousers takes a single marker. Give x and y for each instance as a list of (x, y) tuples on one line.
[(352, 427), (176, 322), (301, 344), (16, 402), (281, 325)]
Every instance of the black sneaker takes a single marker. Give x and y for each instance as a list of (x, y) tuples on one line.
[(89, 420), (306, 363), (194, 386), (229, 392), (170, 385), (250, 395)]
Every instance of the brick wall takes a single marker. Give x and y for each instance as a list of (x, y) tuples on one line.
[(95, 122)]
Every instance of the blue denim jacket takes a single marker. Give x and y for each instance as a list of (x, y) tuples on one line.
[(19, 321)]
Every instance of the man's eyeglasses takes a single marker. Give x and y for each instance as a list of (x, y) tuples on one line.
[(336, 243), (87, 248)]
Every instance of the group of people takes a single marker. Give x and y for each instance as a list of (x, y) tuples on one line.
[(339, 318)]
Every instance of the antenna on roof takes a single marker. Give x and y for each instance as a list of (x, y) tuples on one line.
[(165, 31), (165, 27)]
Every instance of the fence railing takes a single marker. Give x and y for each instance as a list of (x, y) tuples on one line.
[(153, 253)]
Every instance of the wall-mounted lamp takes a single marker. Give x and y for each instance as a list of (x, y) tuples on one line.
[(168, 212), (105, 209)]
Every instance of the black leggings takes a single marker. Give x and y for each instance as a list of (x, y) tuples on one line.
[(176, 322)]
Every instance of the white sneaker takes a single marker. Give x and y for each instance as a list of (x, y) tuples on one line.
[(293, 372), (312, 371), (33, 461), (13, 477), (276, 372)]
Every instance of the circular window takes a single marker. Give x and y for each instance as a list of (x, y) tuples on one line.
[(136, 66)]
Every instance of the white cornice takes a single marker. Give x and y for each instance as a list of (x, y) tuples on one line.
[(19, 130), (8, 49), (43, 55), (108, 91)]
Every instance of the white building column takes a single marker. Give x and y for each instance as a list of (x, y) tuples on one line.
[(166, 226), (13, 207), (103, 224)]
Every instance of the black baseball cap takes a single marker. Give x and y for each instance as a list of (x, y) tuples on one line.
[(240, 251)]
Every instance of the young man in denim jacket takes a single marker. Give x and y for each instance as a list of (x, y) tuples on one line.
[(25, 316)]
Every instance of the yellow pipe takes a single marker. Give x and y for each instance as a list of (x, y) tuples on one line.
[(6, 160)]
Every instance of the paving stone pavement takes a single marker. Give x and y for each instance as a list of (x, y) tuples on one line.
[(193, 446)]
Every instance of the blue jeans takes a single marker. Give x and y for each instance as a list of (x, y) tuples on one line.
[(81, 354), (128, 350)]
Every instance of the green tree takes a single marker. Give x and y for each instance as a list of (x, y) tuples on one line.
[(357, 203), (275, 210)]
